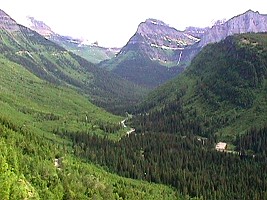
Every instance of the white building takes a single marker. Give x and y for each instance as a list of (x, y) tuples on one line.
[(221, 146)]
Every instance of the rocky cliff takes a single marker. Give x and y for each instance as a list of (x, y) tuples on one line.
[(249, 21)]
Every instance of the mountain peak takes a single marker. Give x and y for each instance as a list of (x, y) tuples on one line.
[(155, 22), (7, 23), (157, 34), (152, 26), (251, 11)]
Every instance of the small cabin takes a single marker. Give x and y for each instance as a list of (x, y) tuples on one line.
[(221, 146)]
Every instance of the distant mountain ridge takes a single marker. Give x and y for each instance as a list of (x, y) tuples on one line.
[(155, 38), (40, 27), (152, 54), (157, 52), (247, 22), (91, 52)]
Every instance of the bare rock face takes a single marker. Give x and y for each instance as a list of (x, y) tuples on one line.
[(157, 33), (249, 21), (7, 23), (196, 31)]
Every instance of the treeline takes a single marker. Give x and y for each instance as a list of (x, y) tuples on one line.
[(188, 163)]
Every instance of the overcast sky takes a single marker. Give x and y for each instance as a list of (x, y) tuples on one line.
[(113, 22)]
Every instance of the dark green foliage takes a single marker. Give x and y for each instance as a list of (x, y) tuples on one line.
[(253, 142), (109, 90), (140, 69), (231, 69), (171, 118), (145, 72), (188, 163)]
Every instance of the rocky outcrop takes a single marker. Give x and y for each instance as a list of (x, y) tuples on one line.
[(249, 21)]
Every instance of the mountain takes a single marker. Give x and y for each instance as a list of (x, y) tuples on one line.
[(53, 63), (157, 52), (152, 54), (221, 94), (91, 52), (157, 40)]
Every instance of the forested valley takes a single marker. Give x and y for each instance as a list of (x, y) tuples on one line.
[(66, 132)]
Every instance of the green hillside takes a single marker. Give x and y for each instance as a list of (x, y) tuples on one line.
[(222, 94), (31, 110), (56, 65)]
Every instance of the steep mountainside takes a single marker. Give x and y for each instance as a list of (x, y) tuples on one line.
[(156, 40), (222, 93), (152, 54), (91, 52), (54, 64)]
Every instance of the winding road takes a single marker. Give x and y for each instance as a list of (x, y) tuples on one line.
[(124, 126)]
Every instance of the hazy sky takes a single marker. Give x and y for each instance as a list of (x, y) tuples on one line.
[(113, 22)]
